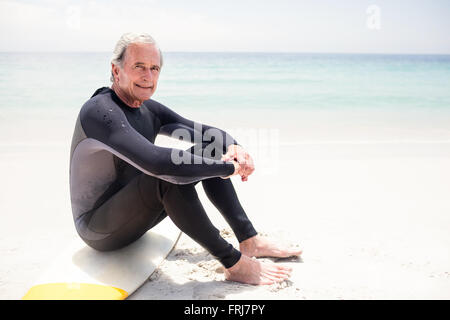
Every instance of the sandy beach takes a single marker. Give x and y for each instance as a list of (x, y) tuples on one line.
[(345, 109), (368, 207)]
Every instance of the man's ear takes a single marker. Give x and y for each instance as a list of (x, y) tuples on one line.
[(115, 70)]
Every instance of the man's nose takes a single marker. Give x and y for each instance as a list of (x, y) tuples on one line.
[(148, 75)]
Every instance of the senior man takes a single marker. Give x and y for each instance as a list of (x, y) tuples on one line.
[(122, 184)]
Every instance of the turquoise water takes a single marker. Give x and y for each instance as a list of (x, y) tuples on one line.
[(35, 82)]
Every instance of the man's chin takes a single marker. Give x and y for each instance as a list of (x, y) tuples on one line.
[(144, 97)]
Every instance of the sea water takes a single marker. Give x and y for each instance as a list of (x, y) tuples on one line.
[(36, 88)]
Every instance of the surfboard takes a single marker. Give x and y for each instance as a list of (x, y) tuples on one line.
[(82, 273)]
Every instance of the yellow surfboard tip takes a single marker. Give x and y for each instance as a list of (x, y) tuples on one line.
[(74, 291)]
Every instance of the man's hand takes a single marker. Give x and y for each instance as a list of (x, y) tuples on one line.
[(246, 165)]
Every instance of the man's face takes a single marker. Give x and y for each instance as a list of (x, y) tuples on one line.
[(139, 74)]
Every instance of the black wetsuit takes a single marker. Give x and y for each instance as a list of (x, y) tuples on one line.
[(122, 185)]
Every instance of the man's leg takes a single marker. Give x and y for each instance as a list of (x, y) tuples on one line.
[(124, 217), (182, 205), (223, 195), (184, 208)]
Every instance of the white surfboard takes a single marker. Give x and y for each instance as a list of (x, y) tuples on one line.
[(81, 272)]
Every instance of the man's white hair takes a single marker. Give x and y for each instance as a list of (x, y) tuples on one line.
[(125, 40)]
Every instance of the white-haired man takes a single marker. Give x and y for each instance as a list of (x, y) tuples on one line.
[(122, 184)]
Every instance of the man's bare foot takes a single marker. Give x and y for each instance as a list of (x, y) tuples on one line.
[(252, 271), (258, 246)]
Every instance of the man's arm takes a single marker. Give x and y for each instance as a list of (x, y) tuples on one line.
[(175, 125), (108, 124)]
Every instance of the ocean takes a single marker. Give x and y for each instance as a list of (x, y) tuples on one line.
[(42, 92), (52, 81)]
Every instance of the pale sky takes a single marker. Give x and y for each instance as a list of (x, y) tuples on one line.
[(353, 26)]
